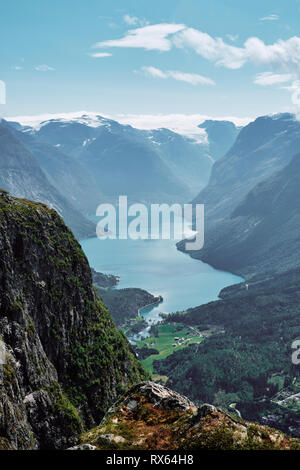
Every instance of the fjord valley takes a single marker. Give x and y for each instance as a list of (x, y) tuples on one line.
[(66, 362), (205, 333)]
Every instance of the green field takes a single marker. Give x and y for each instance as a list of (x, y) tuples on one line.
[(164, 342)]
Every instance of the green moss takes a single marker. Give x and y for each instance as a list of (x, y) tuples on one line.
[(9, 373), (63, 405), (96, 351), (30, 328)]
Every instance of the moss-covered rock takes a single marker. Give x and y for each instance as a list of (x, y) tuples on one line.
[(66, 360), (153, 417)]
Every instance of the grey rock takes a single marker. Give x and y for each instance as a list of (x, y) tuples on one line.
[(83, 447), (206, 409)]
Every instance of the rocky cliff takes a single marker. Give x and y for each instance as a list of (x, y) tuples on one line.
[(63, 361), (153, 417)]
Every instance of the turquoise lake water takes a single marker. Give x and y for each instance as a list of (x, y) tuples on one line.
[(158, 267)]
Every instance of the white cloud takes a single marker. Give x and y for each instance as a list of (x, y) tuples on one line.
[(99, 55), (269, 78), (154, 72), (296, 93), (192, 78), (17, 67), (43, 68), (282, 55), (272, 17), (134, 20), (213, 49), (186, 124), (294, 89), (152, 37)]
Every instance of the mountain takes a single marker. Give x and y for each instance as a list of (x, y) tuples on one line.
[(153, 417), (262, 148), (186, 157), (64, 360), (67, 135), (263, 232), (21, 175), (65, 173), (221, 136), (152, 166), (131, 167), (157, 165)]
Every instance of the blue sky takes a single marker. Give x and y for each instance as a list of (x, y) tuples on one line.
[(177, 67)]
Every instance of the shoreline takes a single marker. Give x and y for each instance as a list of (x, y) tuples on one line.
[(160, 299)]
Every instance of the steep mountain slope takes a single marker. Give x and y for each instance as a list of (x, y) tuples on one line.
[(262, 149), (186, 157), (221, 136), (131, 167), (121, 157), (65, 361), (263, 232), (65, 173), (21, 175), (152, 417)]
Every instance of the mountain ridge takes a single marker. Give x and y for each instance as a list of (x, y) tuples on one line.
[(22, 176), (250, 162)]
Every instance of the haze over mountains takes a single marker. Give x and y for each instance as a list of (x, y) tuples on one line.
[(75, 165), (21, 175), (80, 162), (251, 209), (151, 166), (64, 172)]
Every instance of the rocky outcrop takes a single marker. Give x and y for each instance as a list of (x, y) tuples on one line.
[(64, 360), (153, 417), (159, 396)]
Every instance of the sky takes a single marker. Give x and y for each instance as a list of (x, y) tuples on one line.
[(150, 63)]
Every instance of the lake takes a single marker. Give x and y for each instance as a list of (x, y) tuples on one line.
[(158, 267)]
